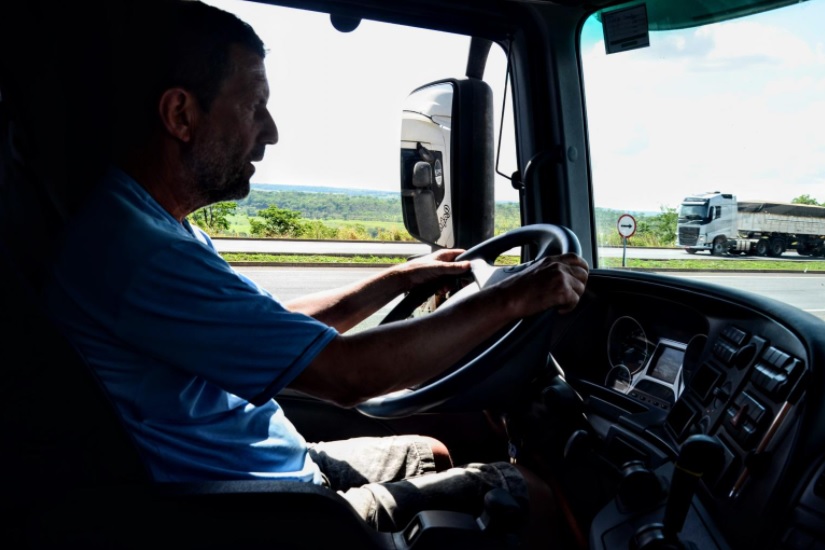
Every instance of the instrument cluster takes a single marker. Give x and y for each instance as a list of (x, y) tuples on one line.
[(650, 370)]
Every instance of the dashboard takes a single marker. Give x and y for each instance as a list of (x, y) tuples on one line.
[(660, 362)]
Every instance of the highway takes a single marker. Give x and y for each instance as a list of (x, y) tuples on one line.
[(375, 248), (803, 290)]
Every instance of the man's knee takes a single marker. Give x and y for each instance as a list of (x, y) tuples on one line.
[(441, 454)]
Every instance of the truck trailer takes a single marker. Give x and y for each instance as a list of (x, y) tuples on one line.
[(721, 224)]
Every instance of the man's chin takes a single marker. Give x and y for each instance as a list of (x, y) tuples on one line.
[(239, 189)]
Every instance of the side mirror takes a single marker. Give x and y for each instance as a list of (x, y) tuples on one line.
[(448, 164)]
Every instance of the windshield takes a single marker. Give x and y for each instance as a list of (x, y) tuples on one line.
[(693, 211), (730, 109)]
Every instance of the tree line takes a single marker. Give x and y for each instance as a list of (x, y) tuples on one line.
[(807, 199), (326, 216), (342, 216)]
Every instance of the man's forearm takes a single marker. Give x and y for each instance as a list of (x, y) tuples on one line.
[(405, 353), (401, 354), (345, 307)]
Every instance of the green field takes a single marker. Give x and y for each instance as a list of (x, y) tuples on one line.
[(377, 224), (238, 225)]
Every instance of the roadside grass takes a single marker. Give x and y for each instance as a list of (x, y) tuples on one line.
[(236, 257), (239, 224), (631, 263), (716, 265)]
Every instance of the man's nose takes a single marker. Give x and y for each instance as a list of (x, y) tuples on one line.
[(270, 133)]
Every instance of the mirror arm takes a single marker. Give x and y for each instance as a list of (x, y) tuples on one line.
[(477, 58)]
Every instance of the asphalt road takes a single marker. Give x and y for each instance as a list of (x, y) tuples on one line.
[(803, 290)]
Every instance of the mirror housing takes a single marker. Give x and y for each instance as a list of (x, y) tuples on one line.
[(448, 163)]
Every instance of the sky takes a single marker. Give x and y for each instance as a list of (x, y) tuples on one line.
[(737, 107)]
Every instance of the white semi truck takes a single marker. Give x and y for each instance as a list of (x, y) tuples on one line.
[(721, 224)]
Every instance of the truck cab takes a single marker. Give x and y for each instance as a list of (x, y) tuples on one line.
[(706, 222), (667, 410)]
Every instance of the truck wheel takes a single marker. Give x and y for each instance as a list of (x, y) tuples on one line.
[(691, 250), (777, 247), (818, 252), (802, 251), (720, 246), (762, 247)]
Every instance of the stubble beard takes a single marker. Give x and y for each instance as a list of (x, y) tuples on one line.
[(218, 170)]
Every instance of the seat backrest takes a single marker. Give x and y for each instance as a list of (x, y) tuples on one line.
[(73, 474), (58, 427)]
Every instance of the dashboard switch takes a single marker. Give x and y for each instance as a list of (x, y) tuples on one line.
[(735, 335)]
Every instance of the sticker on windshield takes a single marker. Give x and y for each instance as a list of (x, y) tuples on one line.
[(625, 29)]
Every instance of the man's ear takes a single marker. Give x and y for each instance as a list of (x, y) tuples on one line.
[(179, 111)]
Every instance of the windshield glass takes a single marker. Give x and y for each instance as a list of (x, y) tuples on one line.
[(731, 111), (693, 211)]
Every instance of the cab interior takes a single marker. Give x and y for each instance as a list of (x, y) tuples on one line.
[(721, 383)]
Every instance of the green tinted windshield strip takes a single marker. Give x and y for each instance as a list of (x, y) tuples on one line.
[(665, 15)]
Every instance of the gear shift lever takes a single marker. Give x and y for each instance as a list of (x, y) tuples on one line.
[(698, 454)]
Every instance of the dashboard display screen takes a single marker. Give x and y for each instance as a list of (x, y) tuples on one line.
[(666, 364)]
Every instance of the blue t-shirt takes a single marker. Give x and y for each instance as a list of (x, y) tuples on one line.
[(191, 351)]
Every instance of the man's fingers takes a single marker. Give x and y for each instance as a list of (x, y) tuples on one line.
[(446, 254)]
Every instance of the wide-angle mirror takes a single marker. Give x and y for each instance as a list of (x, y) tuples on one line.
[(425, 152), (447, 143)]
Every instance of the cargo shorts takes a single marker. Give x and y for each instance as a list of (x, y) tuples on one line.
[(388, 480)]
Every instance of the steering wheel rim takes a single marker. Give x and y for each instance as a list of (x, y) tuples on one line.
[(480, 365)]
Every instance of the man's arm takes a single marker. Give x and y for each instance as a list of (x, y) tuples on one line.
[(394, 356), (343, 308)]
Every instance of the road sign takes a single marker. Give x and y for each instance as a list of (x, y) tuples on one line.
[(626, 225)]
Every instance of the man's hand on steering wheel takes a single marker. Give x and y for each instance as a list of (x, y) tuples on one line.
[(429, 268), (551, 282)]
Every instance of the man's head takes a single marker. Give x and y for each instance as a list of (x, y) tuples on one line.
[(232, 133), (194, 74)]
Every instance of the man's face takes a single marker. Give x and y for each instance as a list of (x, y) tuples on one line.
[(234, 133)]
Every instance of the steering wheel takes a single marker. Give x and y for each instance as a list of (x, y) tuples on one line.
[(520, 345)]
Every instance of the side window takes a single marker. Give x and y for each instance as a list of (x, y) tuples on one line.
[(337, 97)]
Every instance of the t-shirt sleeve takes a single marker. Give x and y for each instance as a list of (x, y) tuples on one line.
[(188, 308)]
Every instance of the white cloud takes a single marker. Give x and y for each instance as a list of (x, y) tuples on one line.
[(734, 107)]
